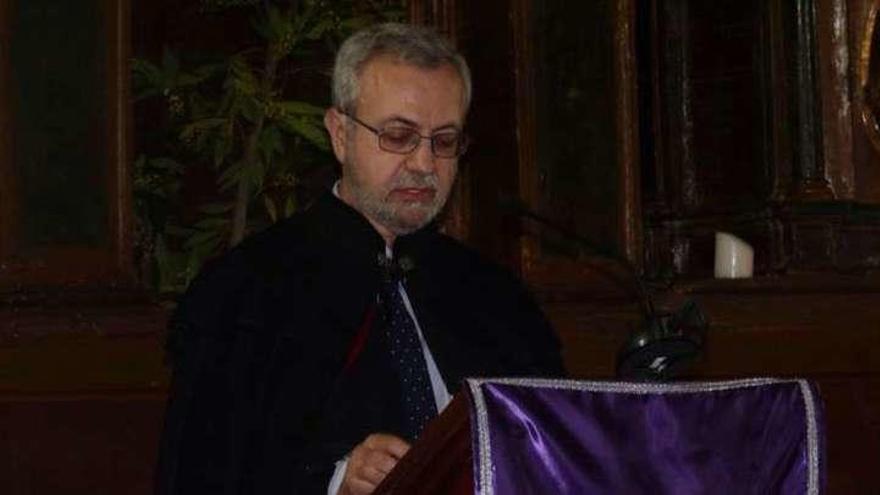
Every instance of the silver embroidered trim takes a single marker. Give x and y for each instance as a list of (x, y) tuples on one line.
[(633, 387), (486, 468), (486, 483), (812, 439)]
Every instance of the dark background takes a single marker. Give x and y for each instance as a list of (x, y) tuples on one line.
[(645, 126)]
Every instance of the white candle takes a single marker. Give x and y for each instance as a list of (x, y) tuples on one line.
[(734, 258)]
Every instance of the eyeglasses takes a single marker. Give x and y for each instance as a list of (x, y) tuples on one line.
[(403, 140)]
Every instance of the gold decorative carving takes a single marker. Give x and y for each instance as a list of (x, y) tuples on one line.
[(868, 92)]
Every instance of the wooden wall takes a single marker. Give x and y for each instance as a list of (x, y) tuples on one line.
[(81, 376)]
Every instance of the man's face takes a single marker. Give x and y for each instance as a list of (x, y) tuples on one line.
[(398, 193)]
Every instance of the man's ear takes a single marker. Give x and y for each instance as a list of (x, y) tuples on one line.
[(334, 122)]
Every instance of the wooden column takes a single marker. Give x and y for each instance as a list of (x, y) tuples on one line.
[(809, 159)]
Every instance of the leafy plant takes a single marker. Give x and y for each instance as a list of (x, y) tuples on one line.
[(240, 114)]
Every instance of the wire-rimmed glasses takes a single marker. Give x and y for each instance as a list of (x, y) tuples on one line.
[(403, 140)]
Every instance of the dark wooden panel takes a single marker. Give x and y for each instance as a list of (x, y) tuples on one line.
[(82, 393), (710, 106), (59, 130), (727, 114), (66, 202), (852, 409), (81, 347), (491, 165), (575, 113), (554, 125), (86, 445)]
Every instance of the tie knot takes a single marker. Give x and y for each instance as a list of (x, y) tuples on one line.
[(395, 269)]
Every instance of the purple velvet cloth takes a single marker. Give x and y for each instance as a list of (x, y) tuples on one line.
[(760, 436)]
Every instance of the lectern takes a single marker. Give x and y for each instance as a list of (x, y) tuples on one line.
[(537, 436), (441, 461)]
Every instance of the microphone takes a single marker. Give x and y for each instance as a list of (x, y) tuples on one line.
[(666, 343)]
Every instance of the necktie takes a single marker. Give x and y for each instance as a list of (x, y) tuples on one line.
[(417, 395)]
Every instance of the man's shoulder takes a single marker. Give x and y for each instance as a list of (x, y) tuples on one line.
[(235, 290), (494, 311), (463, 266), (282, 242), (250, 266), (260, 254)]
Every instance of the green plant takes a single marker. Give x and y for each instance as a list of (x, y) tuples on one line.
[(242, 114)]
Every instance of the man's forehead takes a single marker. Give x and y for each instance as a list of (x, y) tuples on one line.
[(388, 77), (387, 71)]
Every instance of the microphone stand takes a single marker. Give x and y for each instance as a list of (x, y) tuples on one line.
[(664, 345)]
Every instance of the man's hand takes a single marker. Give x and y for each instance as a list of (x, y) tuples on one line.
[(370, 462)]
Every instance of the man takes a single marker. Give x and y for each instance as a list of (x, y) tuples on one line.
[(308, 358)]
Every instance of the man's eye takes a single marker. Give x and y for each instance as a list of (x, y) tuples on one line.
[(445, 140), (398, 136)]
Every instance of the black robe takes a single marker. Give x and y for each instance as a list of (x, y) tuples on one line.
[(279, 364)]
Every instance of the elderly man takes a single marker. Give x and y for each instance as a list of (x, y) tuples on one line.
[(308, 358)]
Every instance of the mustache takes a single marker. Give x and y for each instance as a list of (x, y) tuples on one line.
[(409, 179)]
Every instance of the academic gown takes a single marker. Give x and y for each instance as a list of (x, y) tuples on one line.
[(279, 361)]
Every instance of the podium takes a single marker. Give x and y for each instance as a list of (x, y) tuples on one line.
[(561, 436), (441, 461)]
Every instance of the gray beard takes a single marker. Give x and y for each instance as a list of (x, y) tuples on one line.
[(393, 215)]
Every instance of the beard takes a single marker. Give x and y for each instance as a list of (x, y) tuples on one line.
[(399, 215)]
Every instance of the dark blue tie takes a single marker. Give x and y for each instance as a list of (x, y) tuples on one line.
[(417, 395)]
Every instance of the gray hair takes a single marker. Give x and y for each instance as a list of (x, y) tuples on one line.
[(414, 45)]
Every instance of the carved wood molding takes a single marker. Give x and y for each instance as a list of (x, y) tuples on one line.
[(806, 154), (812, 182), (121, 127), (625, 77), (866, 50), (866, 97), (832, 237), (8, 201), (834, 60)]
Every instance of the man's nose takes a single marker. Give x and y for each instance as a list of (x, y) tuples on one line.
[(422, 159)]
